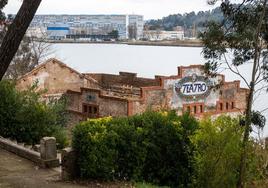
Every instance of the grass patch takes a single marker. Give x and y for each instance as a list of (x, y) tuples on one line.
[(147, 185)]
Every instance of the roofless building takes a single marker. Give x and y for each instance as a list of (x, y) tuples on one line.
[(99, 95)]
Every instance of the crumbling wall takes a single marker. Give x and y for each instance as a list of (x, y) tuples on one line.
[(124, 78), (55, 77), (108, 105)]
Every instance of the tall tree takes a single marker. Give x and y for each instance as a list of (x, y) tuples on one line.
[(16, 32), (132, 31), (114, 34), (244, 34), (31, 52), (2, 5), (2, 19)]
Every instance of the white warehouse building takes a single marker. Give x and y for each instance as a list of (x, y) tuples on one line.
[(89, 24), (155, 35)]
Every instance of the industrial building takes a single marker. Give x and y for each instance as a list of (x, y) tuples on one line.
[(93, 95), (57, 32), (86, 25), (158, 35)]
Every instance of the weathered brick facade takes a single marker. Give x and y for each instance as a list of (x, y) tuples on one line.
[(222, 97), (55, 77), (101, 105), (124, 78), (100, 95)]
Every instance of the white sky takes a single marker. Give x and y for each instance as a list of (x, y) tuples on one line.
[(151, 9)]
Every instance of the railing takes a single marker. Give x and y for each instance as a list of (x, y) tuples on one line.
[(46, 158)]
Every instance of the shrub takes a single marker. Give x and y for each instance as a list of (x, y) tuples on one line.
[(169, 151), (152, 147), (10, 103), (166, 149), (219, 145), (25, 118), (61, 137)]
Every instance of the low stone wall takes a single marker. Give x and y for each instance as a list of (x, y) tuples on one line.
[(46, 159)]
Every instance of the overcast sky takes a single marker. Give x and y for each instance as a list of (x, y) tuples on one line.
[(149, 8)]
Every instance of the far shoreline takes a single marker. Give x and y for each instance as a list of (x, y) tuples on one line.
[(182, 43)]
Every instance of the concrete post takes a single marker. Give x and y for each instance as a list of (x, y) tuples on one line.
[(69, 168), (266, 143), (48, 148)]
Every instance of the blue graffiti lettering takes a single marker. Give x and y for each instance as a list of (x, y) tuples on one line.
[(204, 87), (194, 88)]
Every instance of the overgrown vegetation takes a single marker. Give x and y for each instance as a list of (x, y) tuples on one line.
[(218, 148), (25, 118), (167, 150), (30, 53), (242, 36), (153, 147), (16, 31)]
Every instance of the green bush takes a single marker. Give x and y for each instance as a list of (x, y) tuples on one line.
[(10, 103), (218, 148), (167, 150), (152, 147), (25, 118)]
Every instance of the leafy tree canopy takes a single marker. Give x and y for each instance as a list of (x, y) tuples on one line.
[(187, 20), (242, 35), (2, 5), (114, 34)]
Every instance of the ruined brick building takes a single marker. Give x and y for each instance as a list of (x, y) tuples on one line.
[(98, 95)]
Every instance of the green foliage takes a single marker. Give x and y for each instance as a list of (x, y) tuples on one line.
[(2, 5), (187, 20), (28, 56), (25, 118), (2, 19), (61, 137), (152, 147), (59, 107), (114, 34), (258, 119), (242, 36), (147, 185), (237, 34), (219, 145), (165, 149), (10, 102), (22, 62)]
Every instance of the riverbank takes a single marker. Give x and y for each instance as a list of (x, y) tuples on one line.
[(181, 43)]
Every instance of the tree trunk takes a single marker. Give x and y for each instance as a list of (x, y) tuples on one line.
[(16, 32), (258, 48), (243, 157)]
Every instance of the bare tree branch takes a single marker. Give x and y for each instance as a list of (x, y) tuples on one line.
[(235, 72)]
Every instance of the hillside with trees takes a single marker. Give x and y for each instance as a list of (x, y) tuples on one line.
[(189, 21)]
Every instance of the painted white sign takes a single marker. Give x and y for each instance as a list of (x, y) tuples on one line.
[(194, 86)]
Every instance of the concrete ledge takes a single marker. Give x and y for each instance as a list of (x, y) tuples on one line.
[(27, 154)]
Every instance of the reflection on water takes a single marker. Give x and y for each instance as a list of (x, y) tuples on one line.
[(147, 61)]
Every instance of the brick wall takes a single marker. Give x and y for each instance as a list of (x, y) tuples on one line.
[(124, 78), (107, 105), (229, 98)]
